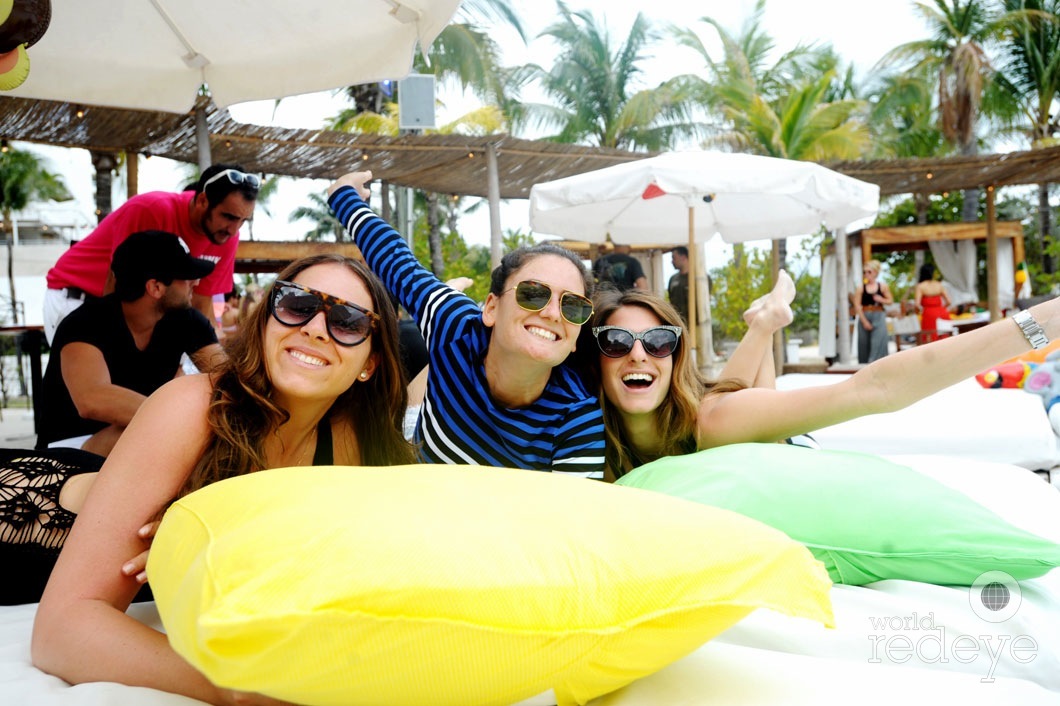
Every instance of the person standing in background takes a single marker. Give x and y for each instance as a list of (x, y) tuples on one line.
[(206, 218), (931, 302), (677, 288), (869, 305), (619, 270)]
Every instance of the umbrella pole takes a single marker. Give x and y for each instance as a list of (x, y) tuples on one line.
[(778, 336), (693, 310)]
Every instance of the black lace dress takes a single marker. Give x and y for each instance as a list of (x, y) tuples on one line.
[(33, 525)]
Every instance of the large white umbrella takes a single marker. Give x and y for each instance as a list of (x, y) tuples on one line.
[(693, 195), (739, 196), (155, 54)]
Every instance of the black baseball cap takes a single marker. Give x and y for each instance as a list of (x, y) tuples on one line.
[(156, 254)]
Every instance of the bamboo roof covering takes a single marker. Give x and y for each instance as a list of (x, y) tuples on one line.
[(938, 175), (445, 164)]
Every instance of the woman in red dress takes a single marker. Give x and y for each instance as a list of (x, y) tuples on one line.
[(931, 302)]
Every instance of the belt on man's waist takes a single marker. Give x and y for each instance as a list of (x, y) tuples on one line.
[(872, 308)]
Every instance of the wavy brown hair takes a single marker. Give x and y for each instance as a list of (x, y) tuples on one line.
[(242, 412), (676, 419)]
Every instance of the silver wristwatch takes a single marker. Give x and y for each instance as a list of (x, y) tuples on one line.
[(1031, 329)]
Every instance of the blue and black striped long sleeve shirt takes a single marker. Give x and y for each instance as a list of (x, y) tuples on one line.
[(562, 431)]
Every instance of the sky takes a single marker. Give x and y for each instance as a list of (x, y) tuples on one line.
[(860, 31)]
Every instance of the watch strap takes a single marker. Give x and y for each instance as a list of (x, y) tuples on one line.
[(1031, 329)]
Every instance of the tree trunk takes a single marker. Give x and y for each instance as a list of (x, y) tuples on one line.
[(104, 162), (10, 233), (970, 207), (434, 235), (921, 201), (1045, 227)]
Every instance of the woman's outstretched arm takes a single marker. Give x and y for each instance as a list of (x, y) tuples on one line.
[(81, 632), (887, 385)]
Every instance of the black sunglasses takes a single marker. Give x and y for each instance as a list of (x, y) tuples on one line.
[(658, 341), (295, 305), (235, 177), (535, 296)]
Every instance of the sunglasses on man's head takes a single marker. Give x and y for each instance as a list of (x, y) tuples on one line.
[(535, 296), (235, 177), (658, 341), (295, 305)]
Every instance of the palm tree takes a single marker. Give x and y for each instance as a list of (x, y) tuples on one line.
[(956, 54), (1028, 86), (903, 122), (593, 86), (326, 226), (23, 178), (795, 108)]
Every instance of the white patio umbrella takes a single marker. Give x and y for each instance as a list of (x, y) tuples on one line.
[(691, 196), (154, 54)]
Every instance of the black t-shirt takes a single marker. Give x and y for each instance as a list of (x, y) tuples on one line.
[(618, 270), (100, 323)]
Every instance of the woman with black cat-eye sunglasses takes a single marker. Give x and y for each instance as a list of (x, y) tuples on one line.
[(499, 390), (657, 404)]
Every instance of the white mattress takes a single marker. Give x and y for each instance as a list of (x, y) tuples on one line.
[(965, 420), (894, 641)]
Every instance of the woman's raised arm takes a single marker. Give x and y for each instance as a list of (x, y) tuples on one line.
[(887, 385)]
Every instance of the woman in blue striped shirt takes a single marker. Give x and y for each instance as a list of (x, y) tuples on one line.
[(499, 391)]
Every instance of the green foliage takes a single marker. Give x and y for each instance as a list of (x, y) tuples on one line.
[(24, 178), (460, 259), (946, 208), (326, 227)]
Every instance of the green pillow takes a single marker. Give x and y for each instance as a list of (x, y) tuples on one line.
[(865, 518)]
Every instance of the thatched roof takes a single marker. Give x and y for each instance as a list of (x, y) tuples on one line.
[(938, 175), (445, 164)]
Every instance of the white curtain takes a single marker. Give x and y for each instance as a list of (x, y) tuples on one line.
[(958, 264), (833, 307), (826, 327)]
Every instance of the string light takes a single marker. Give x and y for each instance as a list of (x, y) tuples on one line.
[(4, 147)]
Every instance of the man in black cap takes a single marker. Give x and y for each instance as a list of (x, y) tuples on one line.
[(111, 353)]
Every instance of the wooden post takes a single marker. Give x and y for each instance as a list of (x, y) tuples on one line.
[(778, 337), (494, 191), (132, 174), (842, 287), (991, 255)]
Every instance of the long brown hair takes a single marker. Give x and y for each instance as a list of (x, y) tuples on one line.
[(242, 412), (676, 419)]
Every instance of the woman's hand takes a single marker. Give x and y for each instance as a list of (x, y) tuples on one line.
[(137, 566), (357, 180)]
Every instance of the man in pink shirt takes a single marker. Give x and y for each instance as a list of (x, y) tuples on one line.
[(207, 220)]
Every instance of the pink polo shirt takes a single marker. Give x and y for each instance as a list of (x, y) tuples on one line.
[(87, 262)]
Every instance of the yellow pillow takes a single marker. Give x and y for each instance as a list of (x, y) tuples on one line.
[(457, 584)]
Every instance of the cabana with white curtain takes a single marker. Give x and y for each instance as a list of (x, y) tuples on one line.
[(953, 247)]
